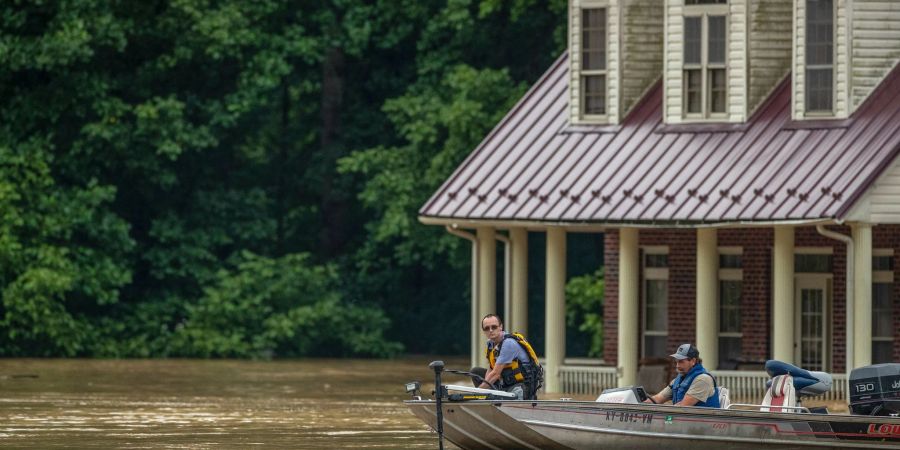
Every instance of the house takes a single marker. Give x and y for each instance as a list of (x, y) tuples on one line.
[(740, 157)]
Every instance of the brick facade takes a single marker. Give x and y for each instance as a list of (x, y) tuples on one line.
[(757, 245)]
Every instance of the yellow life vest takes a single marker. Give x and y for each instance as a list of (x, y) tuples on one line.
[(515, 372)]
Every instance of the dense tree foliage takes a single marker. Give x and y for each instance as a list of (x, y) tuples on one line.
[(241, 178)]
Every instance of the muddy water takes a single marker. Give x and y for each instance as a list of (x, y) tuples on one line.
[(200, 404)]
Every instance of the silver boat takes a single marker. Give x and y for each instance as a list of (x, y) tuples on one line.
[(558, 424)]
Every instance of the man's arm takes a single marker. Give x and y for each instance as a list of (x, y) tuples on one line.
[(687, 401), (660, 397), (493, 375)]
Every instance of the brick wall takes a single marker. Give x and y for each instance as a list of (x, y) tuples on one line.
[(757, 246)]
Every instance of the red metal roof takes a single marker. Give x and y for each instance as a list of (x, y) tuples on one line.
[(534, 166)]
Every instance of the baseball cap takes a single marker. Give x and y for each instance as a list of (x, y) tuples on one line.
[(686, 351)]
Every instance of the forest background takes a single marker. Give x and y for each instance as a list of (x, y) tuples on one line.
[(238, 178)]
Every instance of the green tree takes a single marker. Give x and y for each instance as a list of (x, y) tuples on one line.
[(584, 308)]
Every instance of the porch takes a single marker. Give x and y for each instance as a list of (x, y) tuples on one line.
[(744, 386)]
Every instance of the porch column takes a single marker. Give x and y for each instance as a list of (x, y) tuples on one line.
[(707, 306), (628, 326), (487, 279), (783, 295), (555, 350), (519, 290), (862, 296)]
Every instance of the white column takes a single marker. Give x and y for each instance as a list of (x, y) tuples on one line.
[(628, 326), (487, 273), (862, 296), (783, 295), (555, 350), (707, 304), (519, 289)]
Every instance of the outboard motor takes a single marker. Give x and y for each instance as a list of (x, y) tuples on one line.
[(806, 382), (875, 390)]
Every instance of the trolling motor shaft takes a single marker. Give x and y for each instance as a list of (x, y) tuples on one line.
[(438, 367)]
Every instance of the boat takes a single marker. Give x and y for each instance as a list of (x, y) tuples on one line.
[(484, 419)]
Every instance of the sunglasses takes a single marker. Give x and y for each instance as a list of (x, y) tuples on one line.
[(491, 327)]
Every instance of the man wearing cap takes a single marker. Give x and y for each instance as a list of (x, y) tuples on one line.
[(693, 386)]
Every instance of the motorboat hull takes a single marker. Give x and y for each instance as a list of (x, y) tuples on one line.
[(582, 425)]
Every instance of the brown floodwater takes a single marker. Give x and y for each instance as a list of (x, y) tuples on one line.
[(320, 403)]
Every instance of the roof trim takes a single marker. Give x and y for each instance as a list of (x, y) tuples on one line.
[(501, 223)]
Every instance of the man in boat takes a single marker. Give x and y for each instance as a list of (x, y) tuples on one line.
[(693, 386), (514, 366)]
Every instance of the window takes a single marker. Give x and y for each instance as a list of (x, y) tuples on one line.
[(882, 306), (705, 61), (656, 302), (730, 287), (706, 2), (593, 62), (813, 263), (819, 56), (813, 294)]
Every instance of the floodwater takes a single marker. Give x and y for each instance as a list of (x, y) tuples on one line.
[(73, 403)]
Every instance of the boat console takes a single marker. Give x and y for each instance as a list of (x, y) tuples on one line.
[(875, 390), (631, 394), (806, 382)]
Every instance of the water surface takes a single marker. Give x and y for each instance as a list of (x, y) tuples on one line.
[(200, 404)]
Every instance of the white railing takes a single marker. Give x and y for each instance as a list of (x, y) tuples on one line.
[(744, 386), (586, 379), (750, 386)]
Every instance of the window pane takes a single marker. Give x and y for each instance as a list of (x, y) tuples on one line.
[(729, 352), (655, 346), (819, 89), (716, 33), (882, 310), (882, 352), (883, 263), (805, 263), (693, 95), (692, 40), (717, 90), (819, 32), (656, 260), (656, 313), (593, 37), (706, 2), (730, 306), (594, 94), (730, 261)]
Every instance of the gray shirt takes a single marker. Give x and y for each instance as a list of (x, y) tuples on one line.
[(511, 350)]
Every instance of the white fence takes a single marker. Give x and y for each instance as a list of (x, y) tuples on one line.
[(578, 379), (744, 386)]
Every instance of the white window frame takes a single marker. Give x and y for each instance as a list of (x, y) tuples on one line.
[(728, 275), (820, 112), (704, 12), (648, 274), (583, 73), (885, 277), (826, 281)]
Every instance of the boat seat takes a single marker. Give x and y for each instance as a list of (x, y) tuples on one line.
[(780, 393), (724, 397)]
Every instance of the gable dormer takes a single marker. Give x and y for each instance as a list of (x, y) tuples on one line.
[(615, 54), (723, 57), (842, 51)]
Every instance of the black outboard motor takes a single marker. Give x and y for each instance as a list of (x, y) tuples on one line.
[(875, 390)]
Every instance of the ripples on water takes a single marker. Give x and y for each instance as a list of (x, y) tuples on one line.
[(199, 404)]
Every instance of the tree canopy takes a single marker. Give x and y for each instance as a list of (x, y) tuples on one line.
[(226, 178)]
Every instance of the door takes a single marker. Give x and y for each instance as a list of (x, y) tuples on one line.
[(812, 323)]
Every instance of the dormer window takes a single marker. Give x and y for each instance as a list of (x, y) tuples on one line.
[(705, 61), (819, 57), (593, 66)]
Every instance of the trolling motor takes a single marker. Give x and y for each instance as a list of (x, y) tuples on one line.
[(438, 367)]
